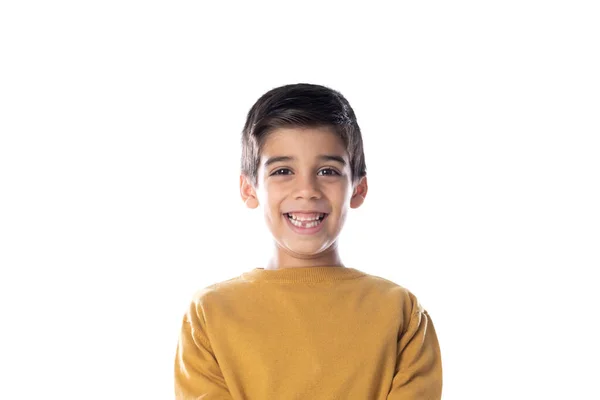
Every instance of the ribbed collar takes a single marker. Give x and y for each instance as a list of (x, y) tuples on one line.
[(302, 274)]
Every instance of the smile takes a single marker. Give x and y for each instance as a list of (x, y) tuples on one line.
[(305, 225)]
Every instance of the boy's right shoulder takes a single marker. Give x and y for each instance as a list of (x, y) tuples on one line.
[(221, 289)]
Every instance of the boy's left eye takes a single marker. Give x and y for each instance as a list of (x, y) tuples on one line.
[(331, 170)]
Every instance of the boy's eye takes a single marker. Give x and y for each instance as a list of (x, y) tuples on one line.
[(332, 172), (276, 172)]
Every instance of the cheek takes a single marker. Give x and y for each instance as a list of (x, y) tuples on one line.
[(340, 194), (265, 196), (272, 204), (348, 194)]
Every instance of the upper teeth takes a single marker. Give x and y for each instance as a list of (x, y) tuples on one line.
[(303, 218)]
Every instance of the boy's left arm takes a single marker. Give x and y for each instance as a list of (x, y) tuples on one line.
[(418, 373)]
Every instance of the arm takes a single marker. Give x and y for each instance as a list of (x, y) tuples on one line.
[(418, 373), (197, 372)]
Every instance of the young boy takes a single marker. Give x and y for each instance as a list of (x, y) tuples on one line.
[(305, 326)]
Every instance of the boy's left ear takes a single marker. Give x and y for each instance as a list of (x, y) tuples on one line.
[(359, 194)]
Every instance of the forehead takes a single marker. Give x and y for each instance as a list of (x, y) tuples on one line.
[(302, 141)]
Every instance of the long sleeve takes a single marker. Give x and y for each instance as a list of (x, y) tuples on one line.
[(318, 333), (197, 372), (418, 373)]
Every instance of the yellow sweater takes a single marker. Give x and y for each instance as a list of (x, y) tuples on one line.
[(318, 333)]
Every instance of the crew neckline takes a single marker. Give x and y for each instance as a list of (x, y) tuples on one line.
[(303, 274)]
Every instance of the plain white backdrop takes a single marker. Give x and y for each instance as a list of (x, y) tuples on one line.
[(120, 127)]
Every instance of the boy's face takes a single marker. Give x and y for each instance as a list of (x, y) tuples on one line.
[(304, 181)]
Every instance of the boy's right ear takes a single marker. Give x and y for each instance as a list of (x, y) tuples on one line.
[(248, 192)]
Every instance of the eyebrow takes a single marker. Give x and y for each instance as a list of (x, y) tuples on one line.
[(322, 157)]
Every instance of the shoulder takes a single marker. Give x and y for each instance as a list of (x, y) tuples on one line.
[(395, 294), (219, 292)]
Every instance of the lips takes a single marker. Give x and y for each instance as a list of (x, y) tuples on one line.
[(305, 227)]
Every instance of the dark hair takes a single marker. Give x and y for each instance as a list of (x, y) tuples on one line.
[(301, 105)]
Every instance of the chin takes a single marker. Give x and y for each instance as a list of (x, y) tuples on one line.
[(305, 249), (305, 252)]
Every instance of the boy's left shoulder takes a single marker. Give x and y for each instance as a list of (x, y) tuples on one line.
[(396, 293)]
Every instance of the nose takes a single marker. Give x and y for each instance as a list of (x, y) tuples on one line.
[(307, 187)]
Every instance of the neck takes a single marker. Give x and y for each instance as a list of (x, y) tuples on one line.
[(284, 258)]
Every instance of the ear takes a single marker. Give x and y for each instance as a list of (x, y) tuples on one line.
[(248, 192), (360, 192)]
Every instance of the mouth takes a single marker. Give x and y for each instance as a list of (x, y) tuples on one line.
[(305, 222)]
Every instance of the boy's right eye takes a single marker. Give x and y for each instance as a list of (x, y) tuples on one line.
[(276, 172)]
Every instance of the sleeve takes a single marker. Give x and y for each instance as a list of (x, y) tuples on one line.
[(418, 373), (197, 372)]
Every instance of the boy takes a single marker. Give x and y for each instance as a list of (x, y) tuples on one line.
[(305, 326)]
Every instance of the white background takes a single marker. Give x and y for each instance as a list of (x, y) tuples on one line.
[(120, 126)]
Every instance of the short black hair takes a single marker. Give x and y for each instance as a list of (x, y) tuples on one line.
[(301, 105)]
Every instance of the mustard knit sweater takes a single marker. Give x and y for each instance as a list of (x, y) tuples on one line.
[(318, 333)]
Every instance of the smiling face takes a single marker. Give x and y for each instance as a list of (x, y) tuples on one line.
[(304, 170)]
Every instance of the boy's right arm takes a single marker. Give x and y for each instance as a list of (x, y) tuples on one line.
[(197, 373)]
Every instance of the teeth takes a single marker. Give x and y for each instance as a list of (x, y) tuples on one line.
[(302, 218), (304, 224)]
